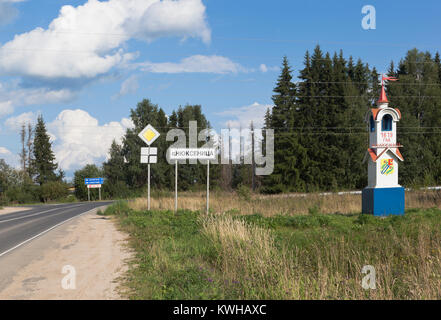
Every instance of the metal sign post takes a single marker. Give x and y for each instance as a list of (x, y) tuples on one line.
[(149, 155), (148, 188), (192, 153), (208, 186), (93, 183), (176, 186)]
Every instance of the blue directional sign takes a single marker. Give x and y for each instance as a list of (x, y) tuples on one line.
[(94, 181)]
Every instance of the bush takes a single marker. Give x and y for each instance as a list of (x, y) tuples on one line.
[(22, 194), (118, 208), (244, 192), (117, 190), (53, 190)]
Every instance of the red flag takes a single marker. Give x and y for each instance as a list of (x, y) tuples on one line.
[(390, 78)]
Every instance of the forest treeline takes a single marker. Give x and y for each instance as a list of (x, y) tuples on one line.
[(38, 179), (320, 133), (319, 121)]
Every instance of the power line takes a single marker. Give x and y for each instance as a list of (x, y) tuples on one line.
[(368, 83), (364, 43)]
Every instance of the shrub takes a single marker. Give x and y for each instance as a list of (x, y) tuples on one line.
[(244, 192), (118, 208), (53, 190), (22, 194)]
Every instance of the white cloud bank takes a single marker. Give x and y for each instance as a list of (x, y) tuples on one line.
[(78, 138), (87, 41), (129, 86), (15, 123), (3, 150), (242, 117), (11, 95), (196, 63), (7, 11)]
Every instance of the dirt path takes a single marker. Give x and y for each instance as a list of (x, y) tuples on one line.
[(90, 251)]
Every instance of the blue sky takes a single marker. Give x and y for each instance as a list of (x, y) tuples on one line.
[(85, 70)]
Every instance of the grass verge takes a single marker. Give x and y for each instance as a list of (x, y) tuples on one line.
[(190, 255)]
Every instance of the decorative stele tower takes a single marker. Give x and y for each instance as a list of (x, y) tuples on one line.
[(383, 195)]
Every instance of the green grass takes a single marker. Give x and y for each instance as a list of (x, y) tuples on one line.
[(170, 256), (323, 255)]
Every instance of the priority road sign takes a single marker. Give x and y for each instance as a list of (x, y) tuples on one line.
[(149, 135)]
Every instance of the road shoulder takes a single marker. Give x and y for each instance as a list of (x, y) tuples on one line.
[(81, 259), (7, 210)]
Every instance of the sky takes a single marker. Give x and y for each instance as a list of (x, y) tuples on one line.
[(84, 64)]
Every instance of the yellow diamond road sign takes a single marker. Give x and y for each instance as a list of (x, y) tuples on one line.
[(149, 135)]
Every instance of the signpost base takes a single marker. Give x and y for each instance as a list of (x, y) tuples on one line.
[(383, 201)]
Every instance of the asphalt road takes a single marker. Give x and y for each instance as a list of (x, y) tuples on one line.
[(21, 227)]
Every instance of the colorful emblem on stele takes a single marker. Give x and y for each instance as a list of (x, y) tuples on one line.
[(387, 166)]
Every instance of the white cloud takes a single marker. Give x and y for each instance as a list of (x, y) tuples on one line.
[(264, 68), (11, 96), (242, 117), (7, 11), (185, 18), (87, 41), (6, 108), (196, 63), (10, 158), (15, 123), (129, 86), (3, 150), (79, 139)]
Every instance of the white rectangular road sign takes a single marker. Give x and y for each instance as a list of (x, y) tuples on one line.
[(192, 153), (149, 159), (149, 151), (93, 186)]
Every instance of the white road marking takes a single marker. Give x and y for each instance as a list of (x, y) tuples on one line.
[(35, 214), (41, 233)]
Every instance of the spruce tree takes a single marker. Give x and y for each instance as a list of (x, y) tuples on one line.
[(288, 153), (44, 158), (437, 61), (283, 99), (412, 95)]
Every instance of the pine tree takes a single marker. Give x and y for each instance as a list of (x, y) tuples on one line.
[(45, 165)]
